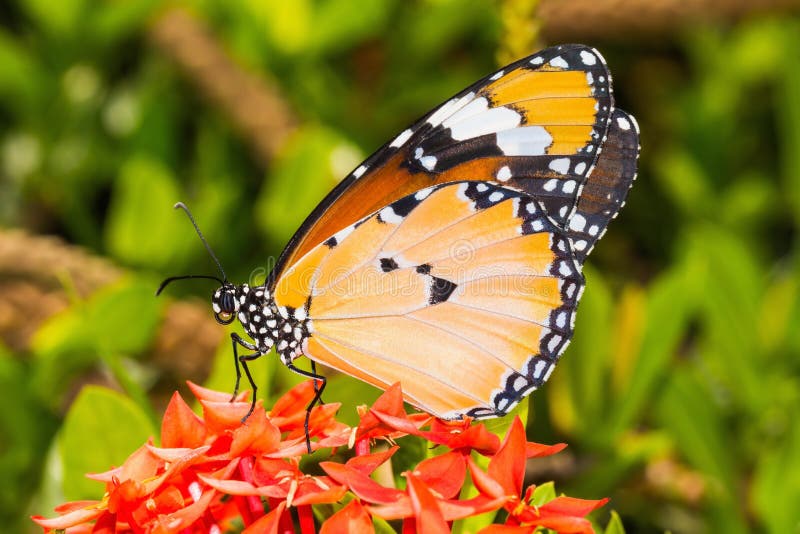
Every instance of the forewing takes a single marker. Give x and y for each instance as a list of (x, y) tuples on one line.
[(536, 125), (464, 292)]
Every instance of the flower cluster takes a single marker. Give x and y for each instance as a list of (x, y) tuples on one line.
[(215, 474)]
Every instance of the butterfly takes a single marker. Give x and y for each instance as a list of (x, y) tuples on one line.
[(451, 259)]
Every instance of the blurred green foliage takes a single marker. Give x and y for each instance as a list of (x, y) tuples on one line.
[(680, 394)]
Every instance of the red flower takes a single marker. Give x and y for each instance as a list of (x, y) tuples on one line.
[(505, 477), (212, 472)]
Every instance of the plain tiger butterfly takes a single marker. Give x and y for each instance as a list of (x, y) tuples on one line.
[(451, 259)]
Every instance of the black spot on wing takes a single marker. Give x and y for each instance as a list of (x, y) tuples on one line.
[(404, 206), (425, 268), (441, 290), (388, 265)]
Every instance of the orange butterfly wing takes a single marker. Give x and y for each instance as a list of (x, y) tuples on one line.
[(464, 292), (537, 125)]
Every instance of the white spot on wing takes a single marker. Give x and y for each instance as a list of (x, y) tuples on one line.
[(448, 108), (429, 162), (539, 368), (388, 215), (525, 141), (504, 174), (569, 186), (538, 60), (497, 196), (360, 171), (553, 343), (343, 233), (550, 185), (483, 123), (496, 75), (559, 62), (588, 58), (577, 223), (560, 165), (580, 167), (402, 138), (475, 107), (623, 123), (422, 194)]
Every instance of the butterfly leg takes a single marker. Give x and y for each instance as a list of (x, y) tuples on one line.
[(236, 341), (317, 394), (314, 370)]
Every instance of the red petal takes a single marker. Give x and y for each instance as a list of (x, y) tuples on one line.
[(396, 510), (141, 464), (75, 505), (293, 403), (70, 519), (401, 424), (255, 436), (311, 493), (205, 394), (426, 509), (564, 525), (475, 437), (368, 463), (391, 401), (570, 506), (454, 509), (485, 483), (351, 518), (537, 450), (443, 474), (180, 426), (224, 415), (508, 466), (269, 523), (506, 529), (238, 487), (360, 484)]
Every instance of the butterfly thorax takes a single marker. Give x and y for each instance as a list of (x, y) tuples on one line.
[(266, 323)]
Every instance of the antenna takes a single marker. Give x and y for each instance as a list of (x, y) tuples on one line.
[(184, 277), (182, 206)]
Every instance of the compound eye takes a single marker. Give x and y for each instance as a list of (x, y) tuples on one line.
[(224, 317), (227, 303)]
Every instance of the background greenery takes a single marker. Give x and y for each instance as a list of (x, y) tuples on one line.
[(680, 394)]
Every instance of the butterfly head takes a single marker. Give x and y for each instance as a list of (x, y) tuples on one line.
[(225, 302)]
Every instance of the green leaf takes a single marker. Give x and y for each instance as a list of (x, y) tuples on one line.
[(339, 24), (543, 493), (101, 430), (123, 318), (143, 229), (288, 25), (669, 304), (21, 78), (119, 319), (26, 429), (688, 410), (730, 296), (57, 18), (588, 357), (787, 111), (776, 484), (111, 22), (614, 524)]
